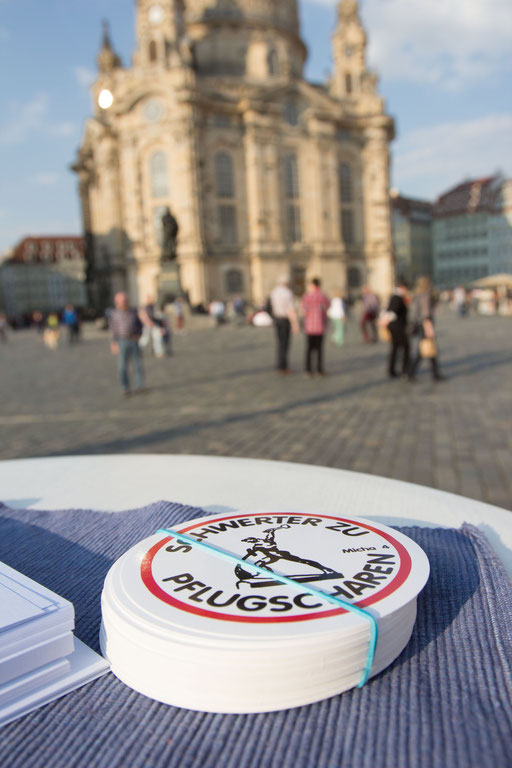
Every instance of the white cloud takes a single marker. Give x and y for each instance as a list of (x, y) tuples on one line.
[(29, 118), (429, 161), (47, 179), (26, 119), (84, 77), (62, 129), (449, 43)]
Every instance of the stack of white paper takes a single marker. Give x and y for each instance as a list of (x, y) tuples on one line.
[(189, 628), (40, 659)]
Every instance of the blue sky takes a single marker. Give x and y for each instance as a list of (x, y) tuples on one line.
[(445, 72)]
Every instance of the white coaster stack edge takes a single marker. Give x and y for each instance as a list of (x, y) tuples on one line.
[(193, 629)]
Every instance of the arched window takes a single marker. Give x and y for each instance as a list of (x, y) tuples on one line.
[(234, 281), (345, 182), (224, 175), (228, 228), (158, 174), (348, 83), (291, 113), (152, 51), (292, 192), (273, 63), (291, 177), (348, 227)]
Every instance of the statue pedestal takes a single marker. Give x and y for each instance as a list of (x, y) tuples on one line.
[(169, 285)]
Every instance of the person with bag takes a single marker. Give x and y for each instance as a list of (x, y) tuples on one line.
[(396, 319), (370, 314), (422, 313)]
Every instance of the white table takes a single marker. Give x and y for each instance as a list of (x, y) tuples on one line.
[(116, 483)]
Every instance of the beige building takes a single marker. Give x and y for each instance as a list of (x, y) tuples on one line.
[(264, 172)]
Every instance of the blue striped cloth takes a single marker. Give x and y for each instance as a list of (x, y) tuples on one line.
[(444, 703)]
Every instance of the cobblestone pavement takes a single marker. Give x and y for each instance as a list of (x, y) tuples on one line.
[(218, 394)]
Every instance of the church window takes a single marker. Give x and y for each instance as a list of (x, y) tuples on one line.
[(158, 214), (347, 227), (348, 83), (273, 63), (291, 177), (234, 281), (292, 194), (222, 120), (152, 51), (228, 225), (293, 227), (224, 175), (159, 177), (291, 114), (345, 182)]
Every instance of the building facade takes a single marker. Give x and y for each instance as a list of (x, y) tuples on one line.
[(264, 172), (473, 231), (412, 237), (43, 273)]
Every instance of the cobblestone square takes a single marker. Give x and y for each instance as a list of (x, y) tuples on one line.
[(218, 394)]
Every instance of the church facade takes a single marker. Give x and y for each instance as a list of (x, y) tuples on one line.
[(265, 173)]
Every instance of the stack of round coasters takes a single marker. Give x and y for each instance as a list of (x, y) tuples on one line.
[(205, 622)]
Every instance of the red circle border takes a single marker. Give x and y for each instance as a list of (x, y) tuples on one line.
[(151, 585)]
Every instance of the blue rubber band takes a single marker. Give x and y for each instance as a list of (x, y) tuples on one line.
[(374, 630)]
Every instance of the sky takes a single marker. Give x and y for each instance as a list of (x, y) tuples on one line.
[(445, 71)]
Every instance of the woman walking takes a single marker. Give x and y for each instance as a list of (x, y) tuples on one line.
[(422, 314), (337, 315)]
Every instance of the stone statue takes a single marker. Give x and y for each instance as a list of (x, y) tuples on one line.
[(169, 236)]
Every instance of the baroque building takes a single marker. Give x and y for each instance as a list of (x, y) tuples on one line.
[(264, 172)]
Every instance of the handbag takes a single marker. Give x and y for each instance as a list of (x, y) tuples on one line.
[(384, 333), (428, 348)]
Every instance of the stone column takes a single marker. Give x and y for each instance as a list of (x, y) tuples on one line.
[(256, 224), (189, 212), (379, 248)]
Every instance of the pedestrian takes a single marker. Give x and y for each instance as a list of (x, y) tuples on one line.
[(397, 313), (217, 310), (52, 332), (337, 315), (151, 329), (282, 306), (370, 314), (38, 320), (422, 313), (179, 314), (70, 320), (3, 327), (460, 300), (239, 308), (314, 307), (126, 329)]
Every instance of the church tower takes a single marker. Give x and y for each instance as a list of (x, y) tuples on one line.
[(160, 28), (265, 173), (350, 76)]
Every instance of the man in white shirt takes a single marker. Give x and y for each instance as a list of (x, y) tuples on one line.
[(285, 321)]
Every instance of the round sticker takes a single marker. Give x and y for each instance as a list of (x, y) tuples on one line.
[(358, 561)]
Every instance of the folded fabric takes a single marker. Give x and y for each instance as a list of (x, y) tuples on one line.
[(444, 703)]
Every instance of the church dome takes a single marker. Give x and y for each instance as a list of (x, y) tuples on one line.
[(282, 14)]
